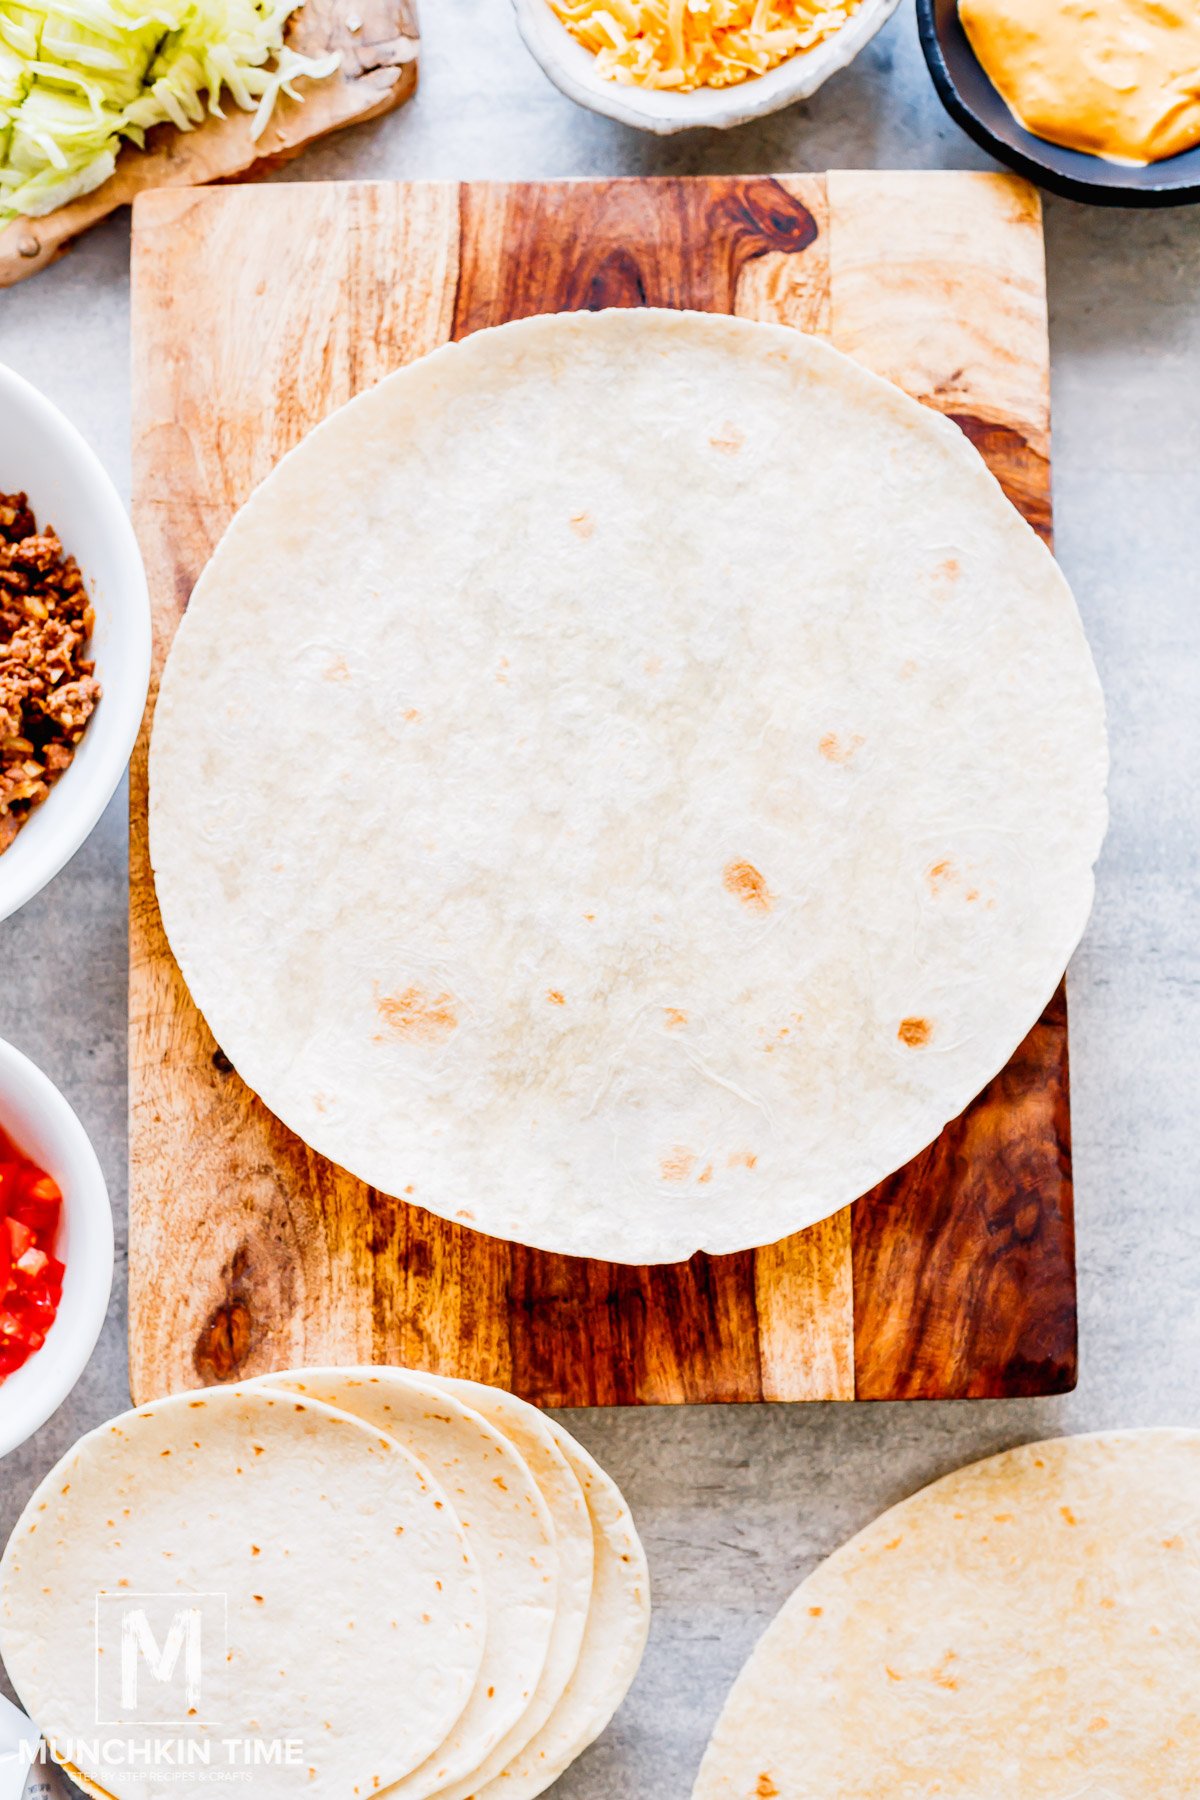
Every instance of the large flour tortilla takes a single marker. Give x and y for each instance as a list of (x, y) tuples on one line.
[(626, 782), (1026, 1627), (355, 1617)]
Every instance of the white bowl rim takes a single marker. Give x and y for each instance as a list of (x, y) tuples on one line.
[(42, 1384), (86, 800), (571, 68)]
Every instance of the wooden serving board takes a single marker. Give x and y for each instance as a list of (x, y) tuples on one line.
[(256, 312), (377, 42)]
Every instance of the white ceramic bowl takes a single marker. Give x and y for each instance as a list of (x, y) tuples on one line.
[(573, 69), (42, 454), (42, 1126)]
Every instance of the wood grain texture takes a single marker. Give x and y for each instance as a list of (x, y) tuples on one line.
[(247, 1251), (377, 42), (938, 282)]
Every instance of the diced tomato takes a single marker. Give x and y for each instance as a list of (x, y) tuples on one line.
[(31, 1276), (41, 1216), (20, 1237)]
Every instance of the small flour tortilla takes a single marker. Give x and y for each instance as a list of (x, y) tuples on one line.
[(355, 1611), (625, 782), (507, 1523), (534, 1437), (613, 1642), (1029, 1626)]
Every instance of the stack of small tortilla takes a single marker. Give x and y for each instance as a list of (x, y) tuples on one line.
[(426, 1582), (1026, 1629)]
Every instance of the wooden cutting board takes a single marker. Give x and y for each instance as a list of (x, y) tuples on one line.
[(256, 312), (377, 43)]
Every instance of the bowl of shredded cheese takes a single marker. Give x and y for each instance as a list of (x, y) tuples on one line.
[(669, 65)]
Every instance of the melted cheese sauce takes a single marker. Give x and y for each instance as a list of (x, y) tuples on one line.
[(1118, 78), (689, 44)]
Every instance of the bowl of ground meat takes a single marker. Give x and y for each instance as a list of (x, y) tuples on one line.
[(74, 640)]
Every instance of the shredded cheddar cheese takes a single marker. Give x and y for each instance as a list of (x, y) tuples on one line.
[(689, 44)]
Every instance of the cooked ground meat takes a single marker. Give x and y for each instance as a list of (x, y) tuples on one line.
[(47, 689)]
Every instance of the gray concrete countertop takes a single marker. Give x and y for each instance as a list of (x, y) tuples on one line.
[(737, 1503)]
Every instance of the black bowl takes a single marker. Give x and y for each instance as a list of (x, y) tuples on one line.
[(973, 102)]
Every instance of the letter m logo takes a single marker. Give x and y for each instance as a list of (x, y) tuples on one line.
[(139, 1644), (154, 1654)]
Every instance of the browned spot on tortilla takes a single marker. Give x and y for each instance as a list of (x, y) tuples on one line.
[(742, 1159), (1068, 1516), (582, 524), (894, 1543), (675, 1017), (554, 997), (945, 577), (1172, 1543), (746, 884), (765, 1788), (728, 440), (338, 670), (417, 1017), (840, 750), (678, 1164), (1099, 1723), (941, 875), (914, 1032), (412, 715), (814, 1612), (705, 1174), (320, 1103)]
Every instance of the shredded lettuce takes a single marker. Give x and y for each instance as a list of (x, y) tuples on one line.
[(79, 78)]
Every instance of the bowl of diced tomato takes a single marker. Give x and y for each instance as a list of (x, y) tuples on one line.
[(56, 1248)]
